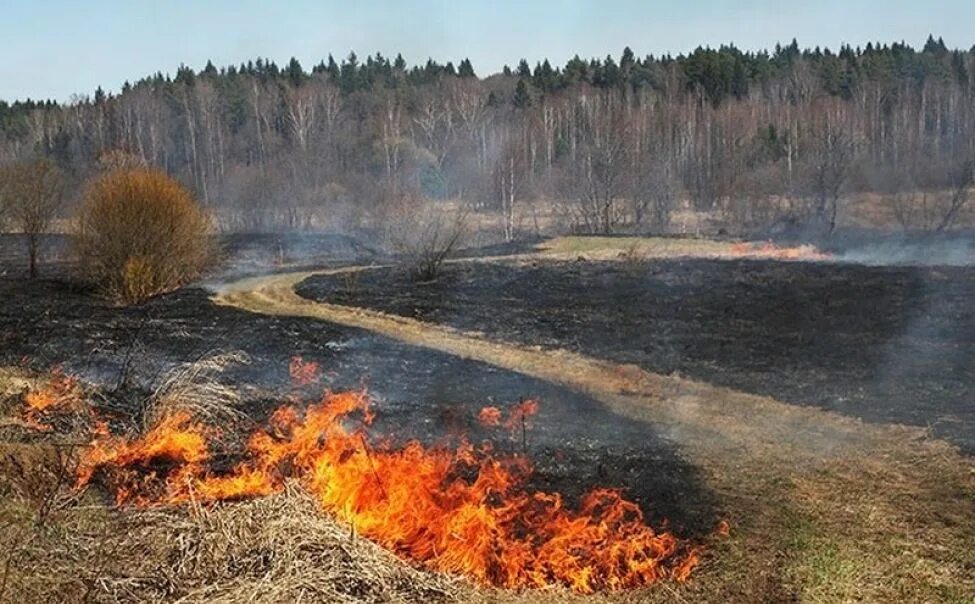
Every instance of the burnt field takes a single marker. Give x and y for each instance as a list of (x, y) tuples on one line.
[(886, 344), (781, 502)]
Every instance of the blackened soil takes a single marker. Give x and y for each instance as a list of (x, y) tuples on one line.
[(889, 344), (575, 443)]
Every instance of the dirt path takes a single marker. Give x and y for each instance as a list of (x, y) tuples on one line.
[(824, 507)]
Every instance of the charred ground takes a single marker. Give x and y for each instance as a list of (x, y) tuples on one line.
[(887, 344)]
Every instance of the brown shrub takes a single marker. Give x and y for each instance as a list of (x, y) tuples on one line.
[(141, 233)]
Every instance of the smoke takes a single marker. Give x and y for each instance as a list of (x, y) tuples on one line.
[(929, 251), (259, 253)]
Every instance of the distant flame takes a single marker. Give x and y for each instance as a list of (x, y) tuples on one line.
[(769, 250), (492, 417)]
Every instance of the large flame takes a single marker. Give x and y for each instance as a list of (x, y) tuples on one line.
[(465, 509)]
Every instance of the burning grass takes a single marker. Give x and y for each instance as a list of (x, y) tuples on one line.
[(462, 510)]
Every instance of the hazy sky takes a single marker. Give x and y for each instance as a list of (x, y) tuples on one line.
[(56, 48)]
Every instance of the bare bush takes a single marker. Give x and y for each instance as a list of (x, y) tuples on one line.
[(141, 233), (425, 235), (31, 192)]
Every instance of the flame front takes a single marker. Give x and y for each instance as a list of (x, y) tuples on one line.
[(464, 510), (771, 251)]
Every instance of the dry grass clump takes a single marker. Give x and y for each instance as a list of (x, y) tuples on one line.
[(284, 549), (195, 389), (275, 549), (141, 233)]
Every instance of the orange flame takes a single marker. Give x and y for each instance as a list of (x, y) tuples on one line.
[(464, 510), (61, 393), (769, 250), (520, 414), (303, 373), (490, 417)]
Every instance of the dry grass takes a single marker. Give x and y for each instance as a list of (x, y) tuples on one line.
[(195, 388), (613, 248)]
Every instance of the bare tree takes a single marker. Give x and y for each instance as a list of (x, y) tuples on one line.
[(654, 193), (604, 166), (509, 179), (963, 176), (32, 193), (829, 170)]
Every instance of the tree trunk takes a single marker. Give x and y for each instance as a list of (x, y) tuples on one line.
[(32, 255)]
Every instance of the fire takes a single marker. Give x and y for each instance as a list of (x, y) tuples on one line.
[(520, 414), (176, 440), (489, 417), (464, 510), (303, 373), (492, 417), (769, 250), (61, 393)]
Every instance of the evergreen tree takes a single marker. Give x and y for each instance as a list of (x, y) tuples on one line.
[(466, 70), (294, 72), (522, 97), (333, 69), (185, 75), (349, 77)]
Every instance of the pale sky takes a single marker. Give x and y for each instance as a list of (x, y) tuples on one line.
[(57, 48)]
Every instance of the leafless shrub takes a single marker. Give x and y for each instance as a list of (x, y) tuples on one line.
[(425, 235), (31, 192), (633, 258), (826, 173), (141, 233), (350, 282)]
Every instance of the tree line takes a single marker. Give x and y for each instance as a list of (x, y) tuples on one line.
[(758, 139)]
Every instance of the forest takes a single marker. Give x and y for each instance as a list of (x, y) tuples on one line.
[(756, 140)]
